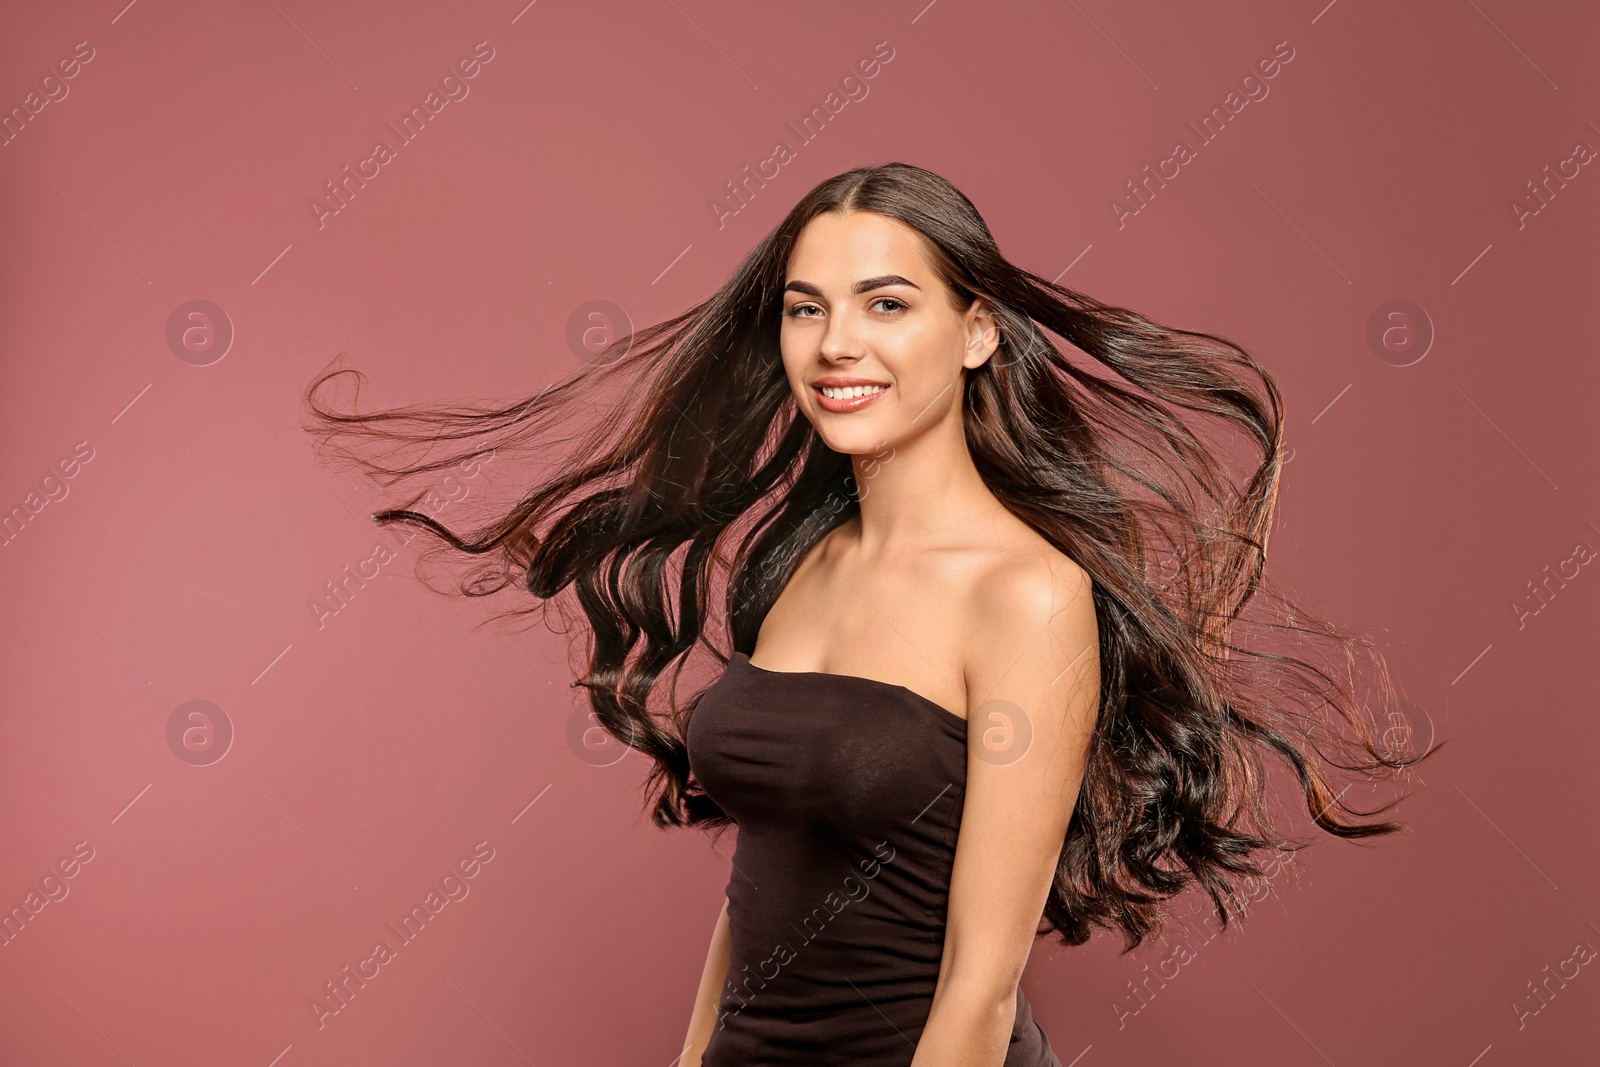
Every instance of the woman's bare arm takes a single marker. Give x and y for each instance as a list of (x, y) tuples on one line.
[(1018, 803), (704, 1019)]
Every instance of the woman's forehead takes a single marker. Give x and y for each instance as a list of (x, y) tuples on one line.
[(837, 251)]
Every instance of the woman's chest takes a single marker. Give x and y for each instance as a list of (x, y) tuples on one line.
[(829, 752)]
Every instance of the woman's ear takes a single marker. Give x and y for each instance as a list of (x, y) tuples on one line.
[(983, 334)]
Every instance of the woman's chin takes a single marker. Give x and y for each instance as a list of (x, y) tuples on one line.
[(857, 441)]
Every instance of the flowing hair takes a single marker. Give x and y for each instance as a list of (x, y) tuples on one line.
[(704, 480)]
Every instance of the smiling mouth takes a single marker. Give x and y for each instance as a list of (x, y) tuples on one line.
[(848, 392), (844, 399)]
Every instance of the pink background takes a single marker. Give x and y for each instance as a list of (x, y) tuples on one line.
[(372, 752)]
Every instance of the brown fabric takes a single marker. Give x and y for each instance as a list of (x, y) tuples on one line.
[(847, 793)]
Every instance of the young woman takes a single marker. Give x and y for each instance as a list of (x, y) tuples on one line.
[(985, 607)]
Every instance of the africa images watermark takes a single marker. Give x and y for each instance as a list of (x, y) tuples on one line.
[(854, 88), (53, 889), (53, 89), (1186, 950), (342, 590), (778, 563), (1541, 995), (1254, 88), (52, 489), (453, 87), (1550, 583), (854, 890), (338, 992), (1541, 191)]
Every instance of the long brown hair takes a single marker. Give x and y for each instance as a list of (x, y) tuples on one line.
[(703, 470)]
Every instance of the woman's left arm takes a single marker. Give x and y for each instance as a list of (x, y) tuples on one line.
[(1034, 690)]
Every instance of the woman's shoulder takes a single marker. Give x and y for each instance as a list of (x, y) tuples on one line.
[(1030, 613), (1024, 571)]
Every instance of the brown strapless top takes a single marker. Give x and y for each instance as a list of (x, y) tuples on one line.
[(847, 793)]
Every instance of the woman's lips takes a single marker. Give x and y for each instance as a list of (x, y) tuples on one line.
[(842, 407)]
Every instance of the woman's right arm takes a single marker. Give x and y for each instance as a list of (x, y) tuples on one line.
[(704, 1019)]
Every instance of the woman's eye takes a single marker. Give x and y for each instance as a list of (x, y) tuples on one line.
[(802, 311)]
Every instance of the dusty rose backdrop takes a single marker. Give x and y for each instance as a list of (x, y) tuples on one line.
[(240, 742)]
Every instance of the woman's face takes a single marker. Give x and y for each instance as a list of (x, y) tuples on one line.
[(867, 320)]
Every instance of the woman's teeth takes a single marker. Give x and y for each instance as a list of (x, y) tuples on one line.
[(846, 393)]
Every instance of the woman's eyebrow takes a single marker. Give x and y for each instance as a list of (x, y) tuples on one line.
[(866, 285)]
